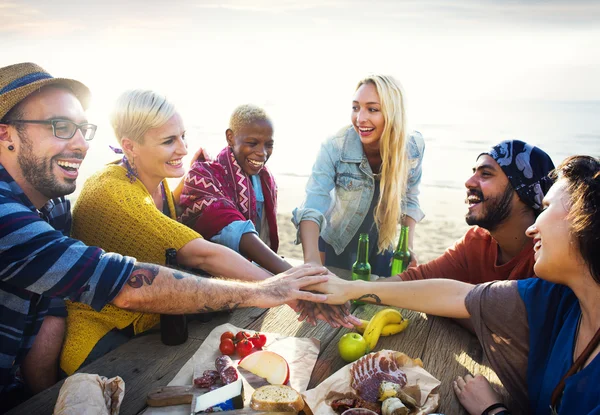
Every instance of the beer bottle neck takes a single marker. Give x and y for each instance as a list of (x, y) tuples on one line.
[(363, 248), (403, 242)]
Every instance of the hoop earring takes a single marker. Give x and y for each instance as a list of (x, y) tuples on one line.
[(11, 148)]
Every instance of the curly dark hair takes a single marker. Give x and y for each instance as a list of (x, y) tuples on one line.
[(582, 174)]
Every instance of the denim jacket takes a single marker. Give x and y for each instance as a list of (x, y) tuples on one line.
[(341, 186)]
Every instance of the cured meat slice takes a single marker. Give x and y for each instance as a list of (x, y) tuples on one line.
[(208, 379), (350, 400), (369, 371), (227, 370)]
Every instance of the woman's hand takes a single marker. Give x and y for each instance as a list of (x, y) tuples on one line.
[(200, 155), (475, 394), (338, 290), (413, 259)]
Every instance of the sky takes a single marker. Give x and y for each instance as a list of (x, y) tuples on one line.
[(467, 49), (302, 60)]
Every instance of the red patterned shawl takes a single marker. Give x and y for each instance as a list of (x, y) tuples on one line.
[(216, 193)]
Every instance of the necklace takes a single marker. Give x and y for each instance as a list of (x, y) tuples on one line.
[(558, 391)]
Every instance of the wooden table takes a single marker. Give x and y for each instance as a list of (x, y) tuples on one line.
[(144, 363)]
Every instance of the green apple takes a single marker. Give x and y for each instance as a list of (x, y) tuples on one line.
[(352, 346)]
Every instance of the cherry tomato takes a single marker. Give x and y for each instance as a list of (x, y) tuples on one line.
[(227, 335), (259, 340), (242, 335), (244, 348), (227, 347)]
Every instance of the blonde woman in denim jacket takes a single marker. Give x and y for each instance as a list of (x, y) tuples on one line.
[(365, 180)]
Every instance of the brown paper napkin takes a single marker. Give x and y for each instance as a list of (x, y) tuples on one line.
[(86, 394), (319, 398)]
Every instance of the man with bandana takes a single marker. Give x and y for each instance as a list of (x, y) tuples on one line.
[(504, 196)]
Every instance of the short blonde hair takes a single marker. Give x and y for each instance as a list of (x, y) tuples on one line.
[(247, 114), (137, 111), (394, 157)]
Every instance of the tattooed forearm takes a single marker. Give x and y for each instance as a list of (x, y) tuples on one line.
[(371, 296), (155, 289), (142, 274)]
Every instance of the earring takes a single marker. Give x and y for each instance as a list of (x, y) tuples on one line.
[(131, 169), (11, 148)]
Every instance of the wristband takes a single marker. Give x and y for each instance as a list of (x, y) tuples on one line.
[(496, 406)]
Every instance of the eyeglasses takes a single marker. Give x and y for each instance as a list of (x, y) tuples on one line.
[(63, 129)]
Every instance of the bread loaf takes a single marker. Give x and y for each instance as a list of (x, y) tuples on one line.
[(276, 398)]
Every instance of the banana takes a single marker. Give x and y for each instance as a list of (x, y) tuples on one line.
[(363, 326), (394, 328), (387, 330), (375, 326)]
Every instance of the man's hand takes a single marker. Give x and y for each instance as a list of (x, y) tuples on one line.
[(288, 286)]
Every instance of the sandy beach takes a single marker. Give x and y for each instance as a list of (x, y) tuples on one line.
[(444, 222)]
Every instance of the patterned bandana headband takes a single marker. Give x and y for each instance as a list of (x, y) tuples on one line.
[(527, 168)]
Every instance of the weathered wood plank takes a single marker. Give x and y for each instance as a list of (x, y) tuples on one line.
[(444, 358), (453, 351)]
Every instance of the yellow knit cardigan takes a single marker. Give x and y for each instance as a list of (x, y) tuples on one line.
[(118, 216)]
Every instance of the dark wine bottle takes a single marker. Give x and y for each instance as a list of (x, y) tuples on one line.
[(173, 327)]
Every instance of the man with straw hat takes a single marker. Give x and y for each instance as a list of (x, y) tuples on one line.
[(44, 138)]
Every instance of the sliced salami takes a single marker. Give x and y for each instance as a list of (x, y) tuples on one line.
[(227, 370), (208, 379)]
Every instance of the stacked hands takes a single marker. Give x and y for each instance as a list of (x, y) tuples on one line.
[(297, 288)]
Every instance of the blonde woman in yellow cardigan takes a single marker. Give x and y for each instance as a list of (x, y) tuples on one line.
[(127, 207)]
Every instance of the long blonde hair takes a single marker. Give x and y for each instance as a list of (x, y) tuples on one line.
[(394, 158)]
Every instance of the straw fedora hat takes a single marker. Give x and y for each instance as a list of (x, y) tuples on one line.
[(19, 81)]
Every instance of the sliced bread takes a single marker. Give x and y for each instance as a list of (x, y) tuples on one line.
[(276, 398)]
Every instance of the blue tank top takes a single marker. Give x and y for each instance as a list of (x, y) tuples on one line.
[(553, 314)]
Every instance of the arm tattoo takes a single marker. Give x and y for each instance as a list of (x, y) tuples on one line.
[(141, 275), (178, 275), (372, 296)]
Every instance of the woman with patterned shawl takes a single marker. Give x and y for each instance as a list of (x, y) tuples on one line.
[(233, 199)]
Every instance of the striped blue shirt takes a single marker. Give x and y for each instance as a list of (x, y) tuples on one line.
[(39, 262)]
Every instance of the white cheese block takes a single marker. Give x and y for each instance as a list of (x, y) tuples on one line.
[(227, 398)]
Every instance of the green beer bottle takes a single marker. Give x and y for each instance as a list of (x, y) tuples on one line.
[(401, 257), (361, 270)]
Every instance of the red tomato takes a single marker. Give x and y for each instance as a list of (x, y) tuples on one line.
[(259, 340), (242, 335), (227, 347), (227, 335), (244, 348)]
